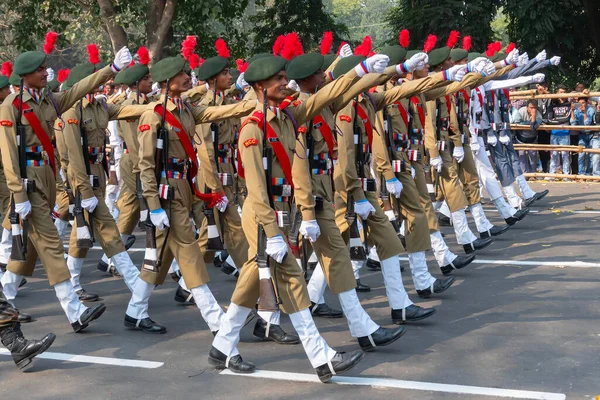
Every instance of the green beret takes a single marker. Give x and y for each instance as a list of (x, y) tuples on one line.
[(3, 82), (235, 73), (14, 79), (396, 54), (52, 85), (28, 62), (258, 57), (264, 68), (328, 60), (458, 54), (411, 53), (304, 66), (212, 67), (499, 56), (438, 56), (346, 64), (167, 68), (475, 55), (80, 72), (119, 77), (133, 74)]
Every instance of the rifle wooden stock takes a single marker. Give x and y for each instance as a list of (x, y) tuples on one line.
[(112, 175), (151, 262), (139, 192), (17, 251), (384, 195), (429, 182), (268, 298), (214, 237), (357, 250), (294, 234), (84, 238)]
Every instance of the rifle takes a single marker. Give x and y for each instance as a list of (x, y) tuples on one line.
[(357, 250), (84, 238), (112, 175), (269, 300), (139, 192), (365, 183), (86, 160), (19, 240)]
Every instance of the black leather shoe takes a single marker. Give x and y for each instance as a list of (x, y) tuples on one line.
[(24, 317), (361, 287), (88, 316), (102, 266), (129, 241), (85, 296), (439, 286), (114, 271), (373, 265), (341, 362), (275, 334), (528, 202), (541, 195), (444, 221), (184, 297), (220, 258), (411, 313), (324, 311), (477, 244), (235, 363), (176, 275), (381, 337), (495, 231), (22, 350), (519, 215), (146, 325), (458, 263), (229, 269), (23, 282)]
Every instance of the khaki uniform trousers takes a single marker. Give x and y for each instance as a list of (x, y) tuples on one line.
[(43, 239), (128, 203), (180, 243), (424, 197), (4, 194), (450, 187), (416, 227), (289, 276), (467, 173)]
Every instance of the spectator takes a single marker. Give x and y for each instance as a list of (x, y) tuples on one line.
[(580, 87), (559, 113), (583, 114), (596, 143), (528, 115), (544, 136)]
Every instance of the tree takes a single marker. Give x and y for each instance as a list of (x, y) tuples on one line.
[(365, 17)]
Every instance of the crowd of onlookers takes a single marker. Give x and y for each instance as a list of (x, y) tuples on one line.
[(569, 111)]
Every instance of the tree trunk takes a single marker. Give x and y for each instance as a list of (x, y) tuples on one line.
[(117, 34), (160, 14)]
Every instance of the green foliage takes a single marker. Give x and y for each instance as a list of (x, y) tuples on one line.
[(365, 17)]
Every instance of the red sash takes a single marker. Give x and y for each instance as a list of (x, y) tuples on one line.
[(480, 96), (39, 131), (449, 105), (507, 94), (326, 132), (210, 198), (362, 114), (466, 97), (286, 102), (403, 113), (420, 110)]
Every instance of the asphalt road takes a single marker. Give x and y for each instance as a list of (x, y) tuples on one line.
[(505, 326)]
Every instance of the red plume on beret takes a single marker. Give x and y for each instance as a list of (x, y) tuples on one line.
[(490, 49), (404, 38), (326, 43), (63, 74), (466, 43), (93, 53), (200, 62), (242, 65), (188, 46), (222, 49), (364, 48), (497, 46), (194, 61), (452, 39), (278, 45), (7, 68), (340, 48), (430, 43), (511, 46), (50, 42), (292, 46), (143, 55)]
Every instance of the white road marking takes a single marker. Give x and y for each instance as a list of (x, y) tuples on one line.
[(121, 362), (574, 264), (400, 384), (132, 250)]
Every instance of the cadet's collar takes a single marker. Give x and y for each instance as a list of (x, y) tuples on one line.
[(89, 98), (275, 112), (220, 96), (177, 103), (36, 94)]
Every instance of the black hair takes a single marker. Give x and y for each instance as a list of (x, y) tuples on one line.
[(532, 102)]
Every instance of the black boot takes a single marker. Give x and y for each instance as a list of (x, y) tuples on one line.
[(458, 263), (275, 334), (444, 221), (85, 296), (324, 311), (411, 313), (229, 269), (439, 286), (235, 364), (145, 324), (373, 265), (381, 337), (23, 282), (22, 350), (88, 316), (477, 244), (220, 258), (128, 241), (519, 215), (24, 317), (341, 362), (361, 287), (184, 297), (102, 266), (495, 231), (176, 275)]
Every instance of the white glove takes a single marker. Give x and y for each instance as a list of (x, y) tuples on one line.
[(23, 209), (512, 57), (475, 147), (241, 83), (294, 85), (375, 63), (538, 78), (541, 56), (122, 59), (194, 78), (277, 248), (489, 68), (413, 173), (504, 139), (159, 219), (222, 204), (416, 62), (50, 72), (394, 186), (492, 139), (555, 60), (363, 208), (523, 59), (478, 65), (90, 204), (112, 189), (310, 230), (459, 154), (345, 51), (460, 74), (437, 163), (455, 73)]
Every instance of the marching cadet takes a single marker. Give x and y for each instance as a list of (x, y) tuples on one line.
[(166, 131), (4, 193), (33, 202), (334, 267), (270, 181)]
